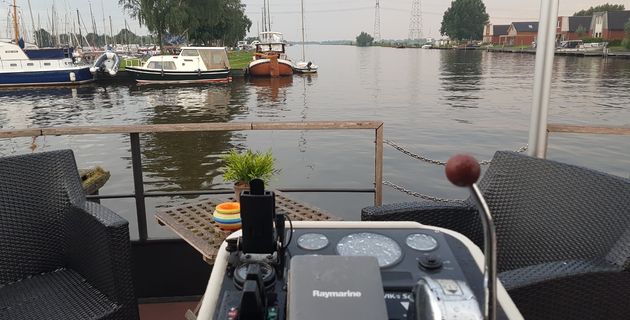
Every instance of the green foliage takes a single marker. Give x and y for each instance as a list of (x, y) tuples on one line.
[(600, 8), (206, 22), (592, 40), (464, 20), (364, 39), (248, 165), (626, 40), (239, 59), (159, 16)]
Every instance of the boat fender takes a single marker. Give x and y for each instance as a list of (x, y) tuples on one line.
[(162, 73), (112, 72), (110, 55), (73, 77), (93, 70), (199, 73)]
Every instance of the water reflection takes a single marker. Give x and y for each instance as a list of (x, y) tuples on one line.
[(271, 89), (461, 75), (189, 161)]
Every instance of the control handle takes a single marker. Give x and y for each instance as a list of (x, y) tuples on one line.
[(463, 171)]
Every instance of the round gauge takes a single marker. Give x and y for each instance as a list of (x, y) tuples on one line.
[(421, 242), (312, 241), (240, 274), (385, 249)]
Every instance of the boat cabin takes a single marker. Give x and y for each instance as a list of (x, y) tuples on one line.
[(270, 42), (191, 59)]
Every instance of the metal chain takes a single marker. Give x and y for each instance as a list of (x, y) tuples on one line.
[(437, 162), (419, 195)]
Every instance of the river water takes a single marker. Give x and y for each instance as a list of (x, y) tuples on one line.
[(436, 103)]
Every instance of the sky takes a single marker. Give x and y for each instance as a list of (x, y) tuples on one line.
[(324, 19)]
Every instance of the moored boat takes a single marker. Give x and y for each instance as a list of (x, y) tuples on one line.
[(106, 64), (270, 58), (192, 65), (18, 69)]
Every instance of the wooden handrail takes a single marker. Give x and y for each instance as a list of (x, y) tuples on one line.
[(189, 127), (564, 128), (133, 130)]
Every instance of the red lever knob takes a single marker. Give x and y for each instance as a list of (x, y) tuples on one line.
[(462, 170)]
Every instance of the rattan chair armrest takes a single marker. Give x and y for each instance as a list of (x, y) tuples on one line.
[(532, 275), (457, 216), (99, 249)]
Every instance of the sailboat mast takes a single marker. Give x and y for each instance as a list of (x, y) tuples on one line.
[(15, 23), (303, 54), (30, 10), (111, 32), (80, 35), (268, 15)]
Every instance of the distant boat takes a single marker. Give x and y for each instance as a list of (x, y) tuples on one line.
[(192, 65), (18, 69), (107, 64), (270, 58), (304, 66)]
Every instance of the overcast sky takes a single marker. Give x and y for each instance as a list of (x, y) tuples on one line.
[(325, 19)]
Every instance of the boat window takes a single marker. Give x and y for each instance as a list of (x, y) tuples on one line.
[(11, 51), (47, 63), (30, 64), (162, 65), (214, 59), (189, 53), (14, 64)]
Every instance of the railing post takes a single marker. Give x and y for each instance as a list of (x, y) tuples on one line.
[(378, 167), (138, 185)]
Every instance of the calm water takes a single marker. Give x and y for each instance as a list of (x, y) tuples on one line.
[(435, 102)]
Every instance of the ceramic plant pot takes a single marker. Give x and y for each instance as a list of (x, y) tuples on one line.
[(238, 188)]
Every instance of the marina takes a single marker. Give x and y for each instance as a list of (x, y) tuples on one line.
[(192, 180)]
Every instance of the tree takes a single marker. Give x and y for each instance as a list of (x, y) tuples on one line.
[(364, 40), (159, 16), (218, 22), (626, 40), (600, 8), (44, 39), (464, 20)]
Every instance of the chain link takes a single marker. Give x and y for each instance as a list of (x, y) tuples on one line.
[(437, 162), (420, 195)]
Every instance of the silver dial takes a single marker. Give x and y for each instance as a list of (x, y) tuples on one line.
[(312, 241), (383, 248), (421, 242)]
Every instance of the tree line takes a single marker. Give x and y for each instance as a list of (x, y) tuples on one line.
[(203, 22), (44, 39)]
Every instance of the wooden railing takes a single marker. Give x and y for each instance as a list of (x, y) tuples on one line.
[(566, 128), (136, 160)]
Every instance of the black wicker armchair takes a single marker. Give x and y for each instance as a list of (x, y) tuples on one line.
[(61, 257), (563, 235)]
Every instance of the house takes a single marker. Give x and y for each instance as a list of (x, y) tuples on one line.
[(491, 33), (609, 25), (573, 28), (520, 34)]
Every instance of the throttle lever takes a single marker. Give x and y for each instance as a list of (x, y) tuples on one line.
[(463, 171)]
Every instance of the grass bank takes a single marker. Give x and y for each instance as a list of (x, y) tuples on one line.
[(239, 59)]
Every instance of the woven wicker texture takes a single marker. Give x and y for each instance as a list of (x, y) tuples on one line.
[(556, 224), (46, 224)]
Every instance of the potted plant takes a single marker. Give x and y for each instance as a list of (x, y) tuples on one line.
[(245, 166)]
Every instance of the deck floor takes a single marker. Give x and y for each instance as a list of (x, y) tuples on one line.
[(169, 310)]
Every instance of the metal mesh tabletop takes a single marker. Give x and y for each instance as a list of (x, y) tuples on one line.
[(193, 222)]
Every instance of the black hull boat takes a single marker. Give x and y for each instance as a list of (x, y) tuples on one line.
[(192, 65), (144, 76)]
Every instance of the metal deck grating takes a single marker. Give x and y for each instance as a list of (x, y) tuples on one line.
[(193, 222)]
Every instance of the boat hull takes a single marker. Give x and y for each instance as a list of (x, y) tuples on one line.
[(148, 76), (78, 75), (264, 68)]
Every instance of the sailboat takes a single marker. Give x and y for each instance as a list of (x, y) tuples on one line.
[(304, 66)]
